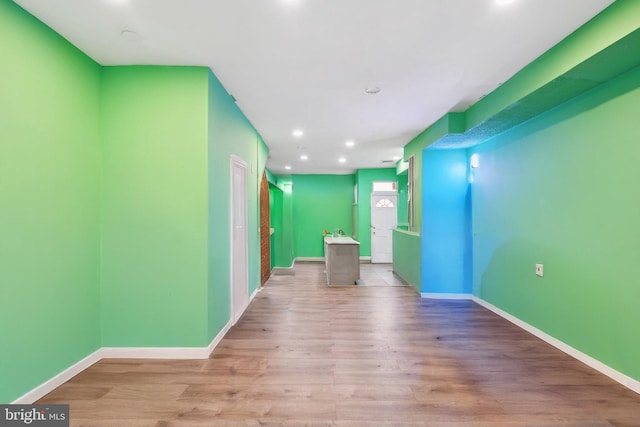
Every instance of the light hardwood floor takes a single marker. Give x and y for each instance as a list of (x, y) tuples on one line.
[(305, 354)]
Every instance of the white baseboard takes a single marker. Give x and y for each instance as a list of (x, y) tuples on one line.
[(309, 259), (363, 259), (253, 295), (122, 353), (216, 340), (429, 295), (55, 382), (619, 377), (154, 352)]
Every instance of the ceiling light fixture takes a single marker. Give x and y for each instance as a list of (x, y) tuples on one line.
[(304, 157), (372, 90), (288, 167), (502, 2), (298, 133), (342, 160), (350, 143)]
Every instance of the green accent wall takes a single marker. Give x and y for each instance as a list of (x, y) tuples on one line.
[(406, 246), (230, 133), (557, 185), (49, 196), (403, 200), (564, 190), (364, 180), (281, 222), (320, 202), (115, 184), (305, 205), (593, 54), (452, 123), (154, 215), (169, 133)]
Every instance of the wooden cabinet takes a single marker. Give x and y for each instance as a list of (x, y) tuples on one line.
[(342, 260)]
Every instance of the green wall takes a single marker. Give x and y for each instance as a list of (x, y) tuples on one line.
[(406, 246), (305, 205), (556, 185), (364, 179), (281, 222), (320, 202), (230, 133), (154, 215), (49, 196), (115, 194), (275, 220), (169, 133), (444, 126), (564, 190), (403, 200), (559, 74)]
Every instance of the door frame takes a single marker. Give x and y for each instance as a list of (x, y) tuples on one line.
[(241, 285), (265, 229), (371, 208)]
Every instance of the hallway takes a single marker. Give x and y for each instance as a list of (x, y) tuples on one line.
[(305, 354)]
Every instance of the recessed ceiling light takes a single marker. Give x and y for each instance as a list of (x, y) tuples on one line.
[(288, 167), (304, 157), (342, 160), (396, 158), (350, 143), (298, 133), (372, 90), (504, 1)]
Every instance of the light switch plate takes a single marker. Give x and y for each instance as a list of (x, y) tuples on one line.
[(539, 270)]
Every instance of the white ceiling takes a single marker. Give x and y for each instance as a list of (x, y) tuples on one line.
[(306, 63)]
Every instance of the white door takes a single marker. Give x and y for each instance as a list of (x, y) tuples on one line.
[(239, 239), (384, 218)]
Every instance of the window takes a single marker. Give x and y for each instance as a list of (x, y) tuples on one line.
[(385, 186), (384, 203)]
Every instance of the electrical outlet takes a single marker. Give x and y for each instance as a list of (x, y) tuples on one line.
[(539, 270)]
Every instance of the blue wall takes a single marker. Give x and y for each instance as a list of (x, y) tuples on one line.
[(446, 222)]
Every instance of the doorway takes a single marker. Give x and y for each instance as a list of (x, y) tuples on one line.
[(265, 231), (239, 239), (384, 218)]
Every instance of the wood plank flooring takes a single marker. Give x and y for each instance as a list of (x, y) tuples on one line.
[(305, 354)]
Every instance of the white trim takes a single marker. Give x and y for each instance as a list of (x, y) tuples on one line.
[(385, 193), (254, 294), (309, 259), (164, 352), (235, 160), (216, 340), (617, 376), (154, 352), (55, 382), (121, 353), (431, 295), (365, 259)]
